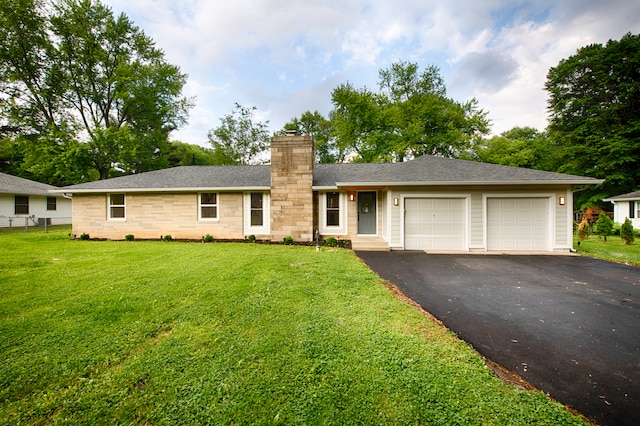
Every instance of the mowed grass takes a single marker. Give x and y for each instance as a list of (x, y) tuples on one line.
[(614, 249), (188, 333)]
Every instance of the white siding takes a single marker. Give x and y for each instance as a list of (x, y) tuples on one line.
[(37, 209)]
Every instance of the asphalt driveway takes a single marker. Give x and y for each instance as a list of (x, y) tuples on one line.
[(568, 325)]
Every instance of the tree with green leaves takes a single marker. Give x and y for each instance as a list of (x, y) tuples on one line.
[(316, 125), (240, 139), (519, 147), (186, 154), (410, 116), (594, 106), (85, 89), (604, 225)]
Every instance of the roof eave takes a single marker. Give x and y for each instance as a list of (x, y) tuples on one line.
[(475, 183), (156, 190)]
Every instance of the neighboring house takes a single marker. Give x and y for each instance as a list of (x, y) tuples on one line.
[(23, 201), (429, 203), (626, 206)]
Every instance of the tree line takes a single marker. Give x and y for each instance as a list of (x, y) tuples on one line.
[(86, 95)]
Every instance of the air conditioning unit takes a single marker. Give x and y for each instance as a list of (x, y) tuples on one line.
[(41, 221)]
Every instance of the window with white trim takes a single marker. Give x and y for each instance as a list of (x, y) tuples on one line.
[(257, 210), (208, 206), (333, 209), (332, 213), (117, 206), (256, 213)]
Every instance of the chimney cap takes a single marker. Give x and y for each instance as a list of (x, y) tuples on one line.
[(291, 132)]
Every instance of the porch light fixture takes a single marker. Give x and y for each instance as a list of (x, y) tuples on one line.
[(352, 196), (396, 202), (562, 201)]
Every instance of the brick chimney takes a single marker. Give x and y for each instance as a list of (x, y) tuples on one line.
[(291, 192)]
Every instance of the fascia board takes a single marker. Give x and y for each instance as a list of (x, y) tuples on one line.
[(475, 183), (133, 190)]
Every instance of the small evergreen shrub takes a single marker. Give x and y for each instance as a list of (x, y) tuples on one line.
[(167, 238), (251, 238), (331, 242), (604, 226), (84, 236), (129, 237), (208, 238), (626, 232), (288, 240)]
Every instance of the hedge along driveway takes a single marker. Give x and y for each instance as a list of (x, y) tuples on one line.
[(161, 333)]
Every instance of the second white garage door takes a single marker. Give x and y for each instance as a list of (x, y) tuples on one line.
[(517, 224), (435, 224)]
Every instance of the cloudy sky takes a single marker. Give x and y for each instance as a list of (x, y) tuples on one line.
[(286, 56)]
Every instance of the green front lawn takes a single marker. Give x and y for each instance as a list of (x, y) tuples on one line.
[(221, 333), (613, 249)]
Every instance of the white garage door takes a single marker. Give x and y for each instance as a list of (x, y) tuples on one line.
[(435, 224), (517, 224)]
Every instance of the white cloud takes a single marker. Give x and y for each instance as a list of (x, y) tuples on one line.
[(286, 56)]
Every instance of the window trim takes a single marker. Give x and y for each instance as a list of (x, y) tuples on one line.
[(123, 206), (52, 202), (265, 229), (16, 204), (216, 205), (342, 208)]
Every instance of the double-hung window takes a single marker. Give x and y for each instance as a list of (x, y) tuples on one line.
[(21, 204), (632, 209), (117, 207), (333, 208), (256, 213), (257, 209), (208, 206), (332, 215), (51, 204)]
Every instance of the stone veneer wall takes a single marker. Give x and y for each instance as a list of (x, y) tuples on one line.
[(153, 215), (291, 187)]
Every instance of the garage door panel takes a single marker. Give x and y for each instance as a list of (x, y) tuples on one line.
[(518, 223), (435, 224)]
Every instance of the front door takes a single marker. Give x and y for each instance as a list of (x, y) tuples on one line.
[(367, 217)]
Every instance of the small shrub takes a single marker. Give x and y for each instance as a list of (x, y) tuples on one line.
[(288, 240), (208, 238), (331, 241), (84, 236), (167, 238), (626, 232), (129, 237), (251, 238), (604, 226)]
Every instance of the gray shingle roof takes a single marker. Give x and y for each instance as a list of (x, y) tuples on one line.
[(184, 178), (433, 170), (426, 170), (629, 196), (16, 185)]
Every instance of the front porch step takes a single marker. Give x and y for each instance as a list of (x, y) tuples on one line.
[(369, 244)]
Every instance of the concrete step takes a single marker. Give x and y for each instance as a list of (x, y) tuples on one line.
[(369, 244)]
